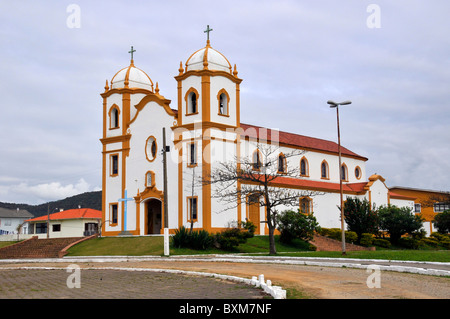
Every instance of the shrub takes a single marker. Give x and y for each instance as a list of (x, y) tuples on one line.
[(351, 237), (429, 242), (230, 238), (197, 239), (410, 243), (398, 221), (382, 242), (295, 224), (440, 237), (366, 239), (360, 217)]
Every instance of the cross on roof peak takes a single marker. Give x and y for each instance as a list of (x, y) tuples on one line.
[(207, 31), (132, 51)]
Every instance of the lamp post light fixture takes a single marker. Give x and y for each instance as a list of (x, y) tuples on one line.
[(336, 105)]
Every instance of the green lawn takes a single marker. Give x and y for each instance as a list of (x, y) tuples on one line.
[(154, 245)]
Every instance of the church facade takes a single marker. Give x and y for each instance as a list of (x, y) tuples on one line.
[(203, 130)]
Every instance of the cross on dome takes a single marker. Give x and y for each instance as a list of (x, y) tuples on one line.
[(132, 51), (207, 31)]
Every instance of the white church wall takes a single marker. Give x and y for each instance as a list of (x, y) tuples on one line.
[(151, 120), (222, 213), (379, 193)]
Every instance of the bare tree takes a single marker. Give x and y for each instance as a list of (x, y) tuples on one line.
[(262, 175)]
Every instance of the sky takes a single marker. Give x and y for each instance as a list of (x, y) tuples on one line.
[(391, 59)]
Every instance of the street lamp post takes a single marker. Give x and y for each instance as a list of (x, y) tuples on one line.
[(336, 105)]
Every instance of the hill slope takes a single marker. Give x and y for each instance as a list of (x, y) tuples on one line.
[(86, 200)]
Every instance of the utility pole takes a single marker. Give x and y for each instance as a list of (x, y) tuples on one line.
[(166, 215), (336, 105)]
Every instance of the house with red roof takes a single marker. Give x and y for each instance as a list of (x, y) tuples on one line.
[(66, 223), (202, 131)]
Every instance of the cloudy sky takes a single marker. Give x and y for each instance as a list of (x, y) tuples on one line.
[(390, 58)]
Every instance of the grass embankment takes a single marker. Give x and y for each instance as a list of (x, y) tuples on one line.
[(154, 245)]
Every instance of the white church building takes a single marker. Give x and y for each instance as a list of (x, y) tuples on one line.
[(204, 129)]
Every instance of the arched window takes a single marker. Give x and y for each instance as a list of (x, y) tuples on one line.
[(256, 160), (114, 117), (281, 163), (304, 169), (191, 98), (151, 149), (305, 205), (223, 99), (324, 170), (344, 172)]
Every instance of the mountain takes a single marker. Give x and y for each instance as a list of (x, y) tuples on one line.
[(86, 200)]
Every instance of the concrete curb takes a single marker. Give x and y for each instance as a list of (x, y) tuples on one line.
[(398, 266)]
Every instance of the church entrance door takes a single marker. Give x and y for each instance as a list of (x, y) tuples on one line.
[(253, 211), (153, 217)]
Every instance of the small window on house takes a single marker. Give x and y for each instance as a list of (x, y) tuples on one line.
[(192, 208), (256, 160), (192, 160), (223, 104), (114, 165), (56, 228), (41, 228), (417, 208), (281, 163), (114, 118), (441, 207), (303, 167), (113, 213), (324, 170)]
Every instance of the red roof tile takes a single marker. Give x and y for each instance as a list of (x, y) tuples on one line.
[(306, 142), (71, 214), (303, 183)]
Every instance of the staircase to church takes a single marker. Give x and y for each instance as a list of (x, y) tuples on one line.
[(38, 248), (324, 243)]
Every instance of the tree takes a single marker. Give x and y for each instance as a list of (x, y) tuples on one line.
[(295, 224), (398, 221), (258, 176), (442, 222), (360, 217)]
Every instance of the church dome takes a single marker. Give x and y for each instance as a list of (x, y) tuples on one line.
[(208, 58), (131, 77)]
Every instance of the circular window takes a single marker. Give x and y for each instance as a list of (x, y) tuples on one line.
[(357, 172), (151, 148)]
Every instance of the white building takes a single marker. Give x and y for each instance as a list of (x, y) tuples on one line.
[(203, 130), (10, 219), (67, 223)]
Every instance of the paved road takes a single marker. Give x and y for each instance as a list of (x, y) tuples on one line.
[(318, 277)]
